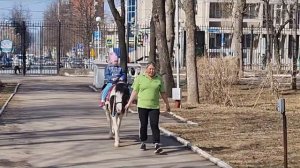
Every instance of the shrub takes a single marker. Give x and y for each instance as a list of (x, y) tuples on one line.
[(216, 78)]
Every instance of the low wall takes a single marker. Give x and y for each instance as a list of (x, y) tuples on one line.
[(75, 72)]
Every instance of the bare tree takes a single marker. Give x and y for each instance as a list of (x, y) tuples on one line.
[(18, 16), (120, 21), (274, 35), (295, 48), (84, 12), (238, 10), (77, 20), (192, 83), (50, 31), (170, 15), (152, 53), (277, 38), (162, 46)]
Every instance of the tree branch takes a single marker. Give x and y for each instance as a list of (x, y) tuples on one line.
[(282, 26), (114, 10)]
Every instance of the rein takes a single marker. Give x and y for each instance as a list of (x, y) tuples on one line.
[(114, 106)]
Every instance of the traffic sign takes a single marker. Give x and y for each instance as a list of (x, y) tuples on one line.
[(79, 47), (109, 42), (6, 46), (97, 35)]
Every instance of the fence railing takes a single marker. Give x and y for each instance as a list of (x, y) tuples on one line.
[(48, 47)]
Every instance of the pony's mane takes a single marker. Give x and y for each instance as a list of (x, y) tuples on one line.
[(122, 88)]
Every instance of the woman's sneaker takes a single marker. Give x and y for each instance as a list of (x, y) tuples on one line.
[(158, 149), (143, 146)]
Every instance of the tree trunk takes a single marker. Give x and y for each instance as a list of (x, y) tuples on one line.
[(192, 83), (277, 53), (276, 38), (295, 50), (162, 46), (120, 21), (268, 41), (170, 15), (122, 46), (238, 8), (152, 53)]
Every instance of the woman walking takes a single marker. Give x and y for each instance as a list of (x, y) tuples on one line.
[(148, 87)]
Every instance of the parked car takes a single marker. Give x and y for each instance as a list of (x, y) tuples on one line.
[(5, 65), (76, 63)]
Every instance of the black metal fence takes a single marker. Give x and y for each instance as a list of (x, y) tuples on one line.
[(217, 42), (44, 48), (47, 48)]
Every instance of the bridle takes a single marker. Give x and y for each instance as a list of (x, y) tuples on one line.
[(113, 112), (115, 102)]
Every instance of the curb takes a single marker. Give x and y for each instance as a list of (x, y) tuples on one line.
[(183, 119), (92, 87), (194, 148), (10, 97)]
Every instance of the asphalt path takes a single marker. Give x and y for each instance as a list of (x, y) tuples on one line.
[(55, 122)]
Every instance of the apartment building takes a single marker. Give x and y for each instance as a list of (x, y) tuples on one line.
[(214, 23)]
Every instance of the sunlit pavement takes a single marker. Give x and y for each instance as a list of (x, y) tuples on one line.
[(55, 121)]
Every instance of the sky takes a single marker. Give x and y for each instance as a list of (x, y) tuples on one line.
[(36, 7)]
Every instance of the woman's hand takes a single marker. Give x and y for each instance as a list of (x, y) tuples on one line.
[(127, 106), (165, 98), (168, 109)]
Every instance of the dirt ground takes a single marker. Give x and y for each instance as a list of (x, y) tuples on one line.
[(248, 134)]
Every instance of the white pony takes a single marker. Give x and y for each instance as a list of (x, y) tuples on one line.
[(115, 109)]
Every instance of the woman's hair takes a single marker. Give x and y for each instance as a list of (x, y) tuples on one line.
[(151, 63)]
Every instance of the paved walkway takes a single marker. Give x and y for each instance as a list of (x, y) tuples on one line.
[(55, 122)]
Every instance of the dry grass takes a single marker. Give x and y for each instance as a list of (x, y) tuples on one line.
[(5, 91), (248, 132), (245, 135)]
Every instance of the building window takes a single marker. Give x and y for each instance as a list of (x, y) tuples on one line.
[(214, 24), (268, 15), (213, 41), (131, 10), (246, 41), (252, 10), (227, 40), (220, 10)]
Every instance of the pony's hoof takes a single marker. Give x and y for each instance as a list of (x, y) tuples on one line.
[(117, 145)]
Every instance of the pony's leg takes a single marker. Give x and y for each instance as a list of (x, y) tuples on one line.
[(108, 117), (119, 121), (116, 129)]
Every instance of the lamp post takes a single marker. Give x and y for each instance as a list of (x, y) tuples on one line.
[(98, 20), (99, 64), (176, 92)]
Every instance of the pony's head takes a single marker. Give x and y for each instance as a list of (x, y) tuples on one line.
[(120, 99)]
